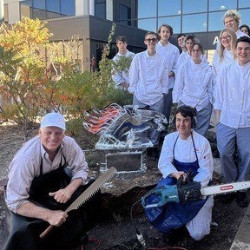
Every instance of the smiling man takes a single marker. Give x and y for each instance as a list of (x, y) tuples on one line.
[(184, 151), (44, 176), (232, 105), (148, 77)]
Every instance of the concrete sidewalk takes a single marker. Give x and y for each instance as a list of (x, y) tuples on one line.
[(242, 238)]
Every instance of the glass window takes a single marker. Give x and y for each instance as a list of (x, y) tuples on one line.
[(194, 6), (147, 24), (100, 8), (146, 9), (215, 21), (53, 6), (175, 22), (67, 7), (194, 23), (244, 3), (222, 4), (25, 8), (245, 17), (6, 13), (124, 12), (169, 7), (39, 4)]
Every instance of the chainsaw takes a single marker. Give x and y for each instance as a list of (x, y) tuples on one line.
[(183, 193)]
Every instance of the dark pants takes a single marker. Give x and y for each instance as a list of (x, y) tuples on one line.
[(24, 232)]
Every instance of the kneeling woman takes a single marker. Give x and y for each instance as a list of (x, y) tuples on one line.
[(193, 87), (183, 151)]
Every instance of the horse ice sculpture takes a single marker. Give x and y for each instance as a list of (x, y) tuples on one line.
[(124, 127)]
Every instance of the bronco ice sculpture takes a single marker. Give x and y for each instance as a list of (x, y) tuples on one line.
[(123, 127)]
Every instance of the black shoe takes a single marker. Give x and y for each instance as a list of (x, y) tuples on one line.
[(241, 199), (227, 198)]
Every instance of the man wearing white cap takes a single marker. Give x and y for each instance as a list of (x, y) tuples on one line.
[(40, 188)]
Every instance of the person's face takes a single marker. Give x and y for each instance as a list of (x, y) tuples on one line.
[(243, 52), (164, 33), (122, 47), (225, 40), (245, 30), (196, 53), (231, 23), (181, 41), (150, 41), (183, 125), (51, 138), (189, 44)]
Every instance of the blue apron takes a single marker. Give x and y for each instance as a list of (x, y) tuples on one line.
[(174, 215)]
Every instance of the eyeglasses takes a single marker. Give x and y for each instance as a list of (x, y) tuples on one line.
[(225, 38), (149, 40)]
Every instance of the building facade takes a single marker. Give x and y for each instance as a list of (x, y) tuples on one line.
[(91, 20)]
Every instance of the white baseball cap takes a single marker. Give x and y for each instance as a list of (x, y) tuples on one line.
[(53, 120)]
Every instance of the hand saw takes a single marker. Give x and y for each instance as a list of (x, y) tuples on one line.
[(86, 195), (190, 192)]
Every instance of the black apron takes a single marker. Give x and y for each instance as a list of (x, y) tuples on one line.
[(24, 231)]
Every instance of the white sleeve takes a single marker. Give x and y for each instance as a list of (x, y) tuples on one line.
[(179, 85), (205, 170), (166, 158), (133, 74)]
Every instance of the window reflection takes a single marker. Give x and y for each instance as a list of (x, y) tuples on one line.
[(100, 8), (194, 6), (53, 5), (39, 4), (146, 8), (244, 4), (194, 23), (169, 7), (175, 22), (147, 24), (67, 7), (245, 17), (222, 4), (215, 21)]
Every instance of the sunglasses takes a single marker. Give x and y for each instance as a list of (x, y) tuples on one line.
[(149, 40)]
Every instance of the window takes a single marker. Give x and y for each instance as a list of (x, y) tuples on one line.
[(245, 17), (175, 22), (53, 6), (222, 4), (194, 23), (6, 13), (215, 21), (169, 7), (194, 6), (100, 8), (146, 8), (147, 24), (39, 4), (25, 8), (244, 3), (67, 7), (124, 14)]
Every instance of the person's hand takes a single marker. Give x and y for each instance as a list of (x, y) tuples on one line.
[(62, 195), (177, 175), (56, 217), (125, 85)]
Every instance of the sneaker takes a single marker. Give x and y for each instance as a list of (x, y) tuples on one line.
[(241, 199)]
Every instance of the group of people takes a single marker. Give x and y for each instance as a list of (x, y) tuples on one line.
[(50, 170), (160, 76)]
